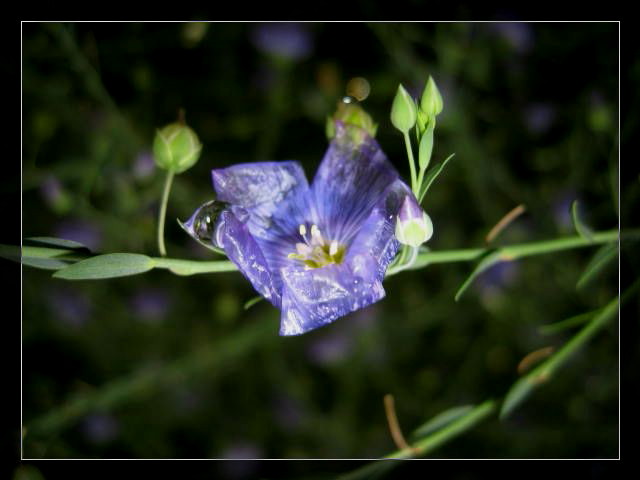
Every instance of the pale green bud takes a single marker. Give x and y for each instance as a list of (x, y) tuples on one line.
[(352, 115), (176, 148), (431, 101), (403, 110), (413, 225)]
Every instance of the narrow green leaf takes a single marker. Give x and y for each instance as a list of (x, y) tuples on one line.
[(45, 263), (38, 257), (522, 388), (543, 372), (251, 302), (441, 420), (54, 242), (107, 266), (204, 244), (432, 174), (489, 259), (581, 228), (568, 323), (598, 262)]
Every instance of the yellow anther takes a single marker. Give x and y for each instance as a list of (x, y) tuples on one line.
[(303, 230)]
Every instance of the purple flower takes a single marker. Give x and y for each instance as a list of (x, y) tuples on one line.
[(286, 40), (316, 252)]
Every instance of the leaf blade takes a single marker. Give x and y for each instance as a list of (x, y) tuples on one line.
[(110, 265)]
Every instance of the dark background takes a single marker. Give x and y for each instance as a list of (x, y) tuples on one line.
[(173, 367)]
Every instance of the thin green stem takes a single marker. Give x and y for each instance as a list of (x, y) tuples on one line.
[(455, 428), (513, 252), (163, 212), (412, 164)]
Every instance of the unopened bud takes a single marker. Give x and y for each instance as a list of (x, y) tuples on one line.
[(431, 100), (351, 114), (176, 148), (413, 225), (403, 110)]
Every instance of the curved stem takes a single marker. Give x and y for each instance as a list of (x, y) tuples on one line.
[(163, 212)]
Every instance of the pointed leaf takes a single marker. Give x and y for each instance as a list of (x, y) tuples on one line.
[(432, 174), (251, 302), (107, 266), (45, 263), (581, 228), (54, 242), (600, 260), (522, 388), (568, 323), (441, 420), (489, 259)]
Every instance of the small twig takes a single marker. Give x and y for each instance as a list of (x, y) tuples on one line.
[(533, 357), (394, 426), (504, 222)]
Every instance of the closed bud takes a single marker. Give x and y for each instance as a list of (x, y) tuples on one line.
[(413, 225), (431, 101), (351, 114), (176, 148), (403, 110)]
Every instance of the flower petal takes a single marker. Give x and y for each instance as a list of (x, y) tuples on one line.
[(313, 298), (350, 181), (376, 238), (274, 194), (243, 250)]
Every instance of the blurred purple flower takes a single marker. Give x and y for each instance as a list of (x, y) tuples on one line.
[(562, 209), (316, 252), (539, 117), (151, 304), (51, 190), (144, 165), (288, 412), (80, 231), (100, 427), (286, 40), (69, 306), (330, 349), (497, 277), (517, 34)]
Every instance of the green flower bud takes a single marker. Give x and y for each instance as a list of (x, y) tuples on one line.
[(431, 101), (176, 148), (352, 115), (403, 110), (413, 225)]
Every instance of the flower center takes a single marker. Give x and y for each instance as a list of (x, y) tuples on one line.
[(316, 252)]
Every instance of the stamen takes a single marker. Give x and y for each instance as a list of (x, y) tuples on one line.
[(333, 249), (303, 230), (303, 249), (316, 236)]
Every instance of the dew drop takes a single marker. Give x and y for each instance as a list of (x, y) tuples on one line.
[(204, 221)]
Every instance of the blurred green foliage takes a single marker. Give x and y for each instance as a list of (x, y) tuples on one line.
[(175, 367)]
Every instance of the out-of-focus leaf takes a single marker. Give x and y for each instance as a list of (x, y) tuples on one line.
[(578, 224), (598, 262), (568, 323), (539, 375), (54, 242), (107, 266), (251, 302), (441, 420), (485, 263)]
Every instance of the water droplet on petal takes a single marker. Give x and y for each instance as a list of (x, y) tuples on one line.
[(202, 224)]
